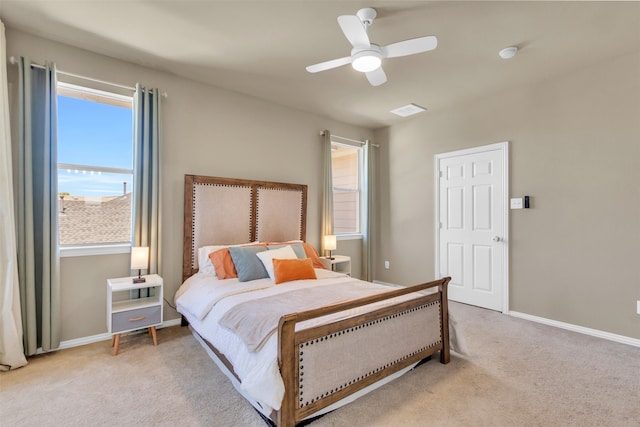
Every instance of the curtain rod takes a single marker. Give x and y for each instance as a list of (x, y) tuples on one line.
[(349, 139), (14, 61)]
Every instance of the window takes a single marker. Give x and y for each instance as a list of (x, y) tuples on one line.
[(95, 167), (346, 166)]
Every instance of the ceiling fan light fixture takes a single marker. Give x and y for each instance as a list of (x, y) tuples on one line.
[(366, 61)]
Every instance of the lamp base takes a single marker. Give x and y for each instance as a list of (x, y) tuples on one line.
[(139, 279)]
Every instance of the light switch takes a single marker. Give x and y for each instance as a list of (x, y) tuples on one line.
[(516, 203)]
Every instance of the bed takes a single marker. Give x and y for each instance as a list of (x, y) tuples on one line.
[(320, 338)]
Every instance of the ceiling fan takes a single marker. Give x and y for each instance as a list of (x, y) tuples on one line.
[(367, 57)]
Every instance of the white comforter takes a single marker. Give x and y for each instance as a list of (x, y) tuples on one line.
[(204, 299)]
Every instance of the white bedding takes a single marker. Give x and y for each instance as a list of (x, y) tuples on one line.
[(203, 300)]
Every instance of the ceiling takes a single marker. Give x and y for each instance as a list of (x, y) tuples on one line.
[(261, 48)]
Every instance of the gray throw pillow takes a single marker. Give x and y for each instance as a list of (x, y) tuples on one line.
[(248, 265)]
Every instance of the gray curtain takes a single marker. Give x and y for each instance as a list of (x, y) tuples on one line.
[(367, 215), (326, 226), (37, 213), (146, 175)]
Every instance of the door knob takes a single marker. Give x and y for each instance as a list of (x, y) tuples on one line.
[(496, 238)]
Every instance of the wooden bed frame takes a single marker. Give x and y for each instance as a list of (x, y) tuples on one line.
[(303, 354)]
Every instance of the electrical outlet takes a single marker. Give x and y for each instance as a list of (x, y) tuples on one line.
[(638, 308), (386, 266)]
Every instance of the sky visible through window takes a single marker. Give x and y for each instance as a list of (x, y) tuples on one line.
[(93, 134)]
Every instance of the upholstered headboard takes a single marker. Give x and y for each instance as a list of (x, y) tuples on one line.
[(227, 211)]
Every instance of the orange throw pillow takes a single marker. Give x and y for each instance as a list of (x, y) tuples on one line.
[(286, 270), (223, 263)]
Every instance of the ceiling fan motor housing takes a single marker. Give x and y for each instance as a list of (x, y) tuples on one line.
[(367, 15)]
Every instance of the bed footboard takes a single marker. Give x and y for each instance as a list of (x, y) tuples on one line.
[(324, 364)]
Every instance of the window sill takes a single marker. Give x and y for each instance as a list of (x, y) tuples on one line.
[(73, 251), (357, 236)]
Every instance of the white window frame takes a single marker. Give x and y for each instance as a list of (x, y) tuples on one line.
[(359, 149), (96, 248)]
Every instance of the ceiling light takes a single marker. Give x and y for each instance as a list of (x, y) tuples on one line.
[(508, 52), (408, 110), (366, 60)]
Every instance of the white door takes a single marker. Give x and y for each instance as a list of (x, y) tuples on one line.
[(472, 224)]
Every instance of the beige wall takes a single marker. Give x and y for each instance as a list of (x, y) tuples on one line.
[(575, 149), (207, 131)]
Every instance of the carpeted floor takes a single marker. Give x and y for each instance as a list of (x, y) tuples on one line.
[(517, 373)]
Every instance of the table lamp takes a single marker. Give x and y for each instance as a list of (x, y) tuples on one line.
[(330, 243), (139, 261)]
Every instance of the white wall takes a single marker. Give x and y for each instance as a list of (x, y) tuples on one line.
[(207, 131)]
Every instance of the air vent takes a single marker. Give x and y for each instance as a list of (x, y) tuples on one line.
[(408, 110)]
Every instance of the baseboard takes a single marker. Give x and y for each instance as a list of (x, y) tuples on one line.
[(580, 329), (102, 337)]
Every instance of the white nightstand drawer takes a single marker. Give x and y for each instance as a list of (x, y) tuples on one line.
[(136, 319)]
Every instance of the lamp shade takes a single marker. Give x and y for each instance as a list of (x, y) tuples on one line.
[(139, 257), (330, 243)]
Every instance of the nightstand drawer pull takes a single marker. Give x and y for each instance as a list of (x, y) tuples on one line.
[(135, 319)]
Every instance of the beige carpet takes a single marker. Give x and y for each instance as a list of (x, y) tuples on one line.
[(517, 374)]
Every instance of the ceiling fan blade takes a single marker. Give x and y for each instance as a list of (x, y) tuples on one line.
[(327, 65), (354, 30), (376, 77), (409, 47)]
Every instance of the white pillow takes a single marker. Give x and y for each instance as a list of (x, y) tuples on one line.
[(267, 258), (204, 262)]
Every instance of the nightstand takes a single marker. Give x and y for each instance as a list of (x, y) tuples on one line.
[(126, 314), (339, 264)]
